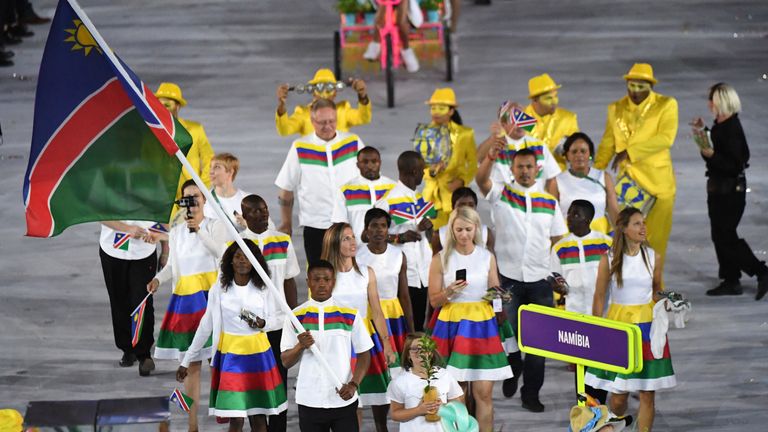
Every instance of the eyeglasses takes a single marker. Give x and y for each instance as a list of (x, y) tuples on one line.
[(418, 350)]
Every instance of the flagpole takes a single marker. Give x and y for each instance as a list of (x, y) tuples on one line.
[(140, 303), (199, 182)]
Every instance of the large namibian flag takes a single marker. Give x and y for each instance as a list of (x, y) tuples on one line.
[(102, 144)]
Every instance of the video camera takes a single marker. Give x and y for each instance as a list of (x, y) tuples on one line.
[(187, 202)]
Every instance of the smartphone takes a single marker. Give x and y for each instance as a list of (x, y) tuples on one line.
[(461, 274)]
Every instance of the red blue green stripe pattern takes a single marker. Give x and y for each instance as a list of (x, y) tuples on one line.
[(568, 253), (345, 150), (513, 198), (244, 376), (542, 204), (396, 324), (373, 387), (357, 195), (181, 320), (275, 248), (335, 318), (181, 400), (310, 154)]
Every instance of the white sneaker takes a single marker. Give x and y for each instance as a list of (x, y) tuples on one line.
[(373, 51), (410, 60)]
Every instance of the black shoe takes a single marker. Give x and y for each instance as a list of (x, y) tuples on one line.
[(4, 62), (128, 360), (20, 30), (146, 366), (726, 288), (6, 55), (8, 39), (533, 405), (509, 387), (762, 286)]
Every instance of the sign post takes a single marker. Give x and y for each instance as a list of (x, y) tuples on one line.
[(585, 340)]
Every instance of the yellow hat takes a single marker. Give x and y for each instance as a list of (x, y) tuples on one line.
[(170, 91), (443, 96), (642, 72), (323, 75), (10, 420), (541, 84)]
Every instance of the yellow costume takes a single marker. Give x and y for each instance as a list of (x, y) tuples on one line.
[(346, 117), (201, 152), (551, 128), (463, 163), (646, 132)]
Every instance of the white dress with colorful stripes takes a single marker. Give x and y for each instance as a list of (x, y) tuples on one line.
[(387, 267), (590, 188), (633, 303), (351, 290), (466, 331), (577, 259), (193, 265)]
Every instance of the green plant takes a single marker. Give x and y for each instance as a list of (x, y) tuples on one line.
[(427, 360), (347, 6), (431, 5)]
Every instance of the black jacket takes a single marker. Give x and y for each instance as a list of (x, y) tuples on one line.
[(731, 151)]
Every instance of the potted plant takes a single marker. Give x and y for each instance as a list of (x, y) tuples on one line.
[(432, 7), (369, 13), (349, 8), (428, 362)]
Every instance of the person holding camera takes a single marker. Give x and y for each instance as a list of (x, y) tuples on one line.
[(194, 248), (528, 222), (466, 331), (245, 380), (726, 160)]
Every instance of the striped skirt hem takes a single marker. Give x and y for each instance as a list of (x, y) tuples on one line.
[(373, 387)]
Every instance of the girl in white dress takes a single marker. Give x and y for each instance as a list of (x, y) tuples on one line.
[(406, 391), (632, 272)]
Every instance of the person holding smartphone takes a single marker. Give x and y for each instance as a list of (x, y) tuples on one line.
[(466, 332)]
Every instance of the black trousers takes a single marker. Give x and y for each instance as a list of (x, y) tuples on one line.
[(733, 253), (279, 422), (419, 305), (539, 292), (342, 419), (313, 243), (126, 282)]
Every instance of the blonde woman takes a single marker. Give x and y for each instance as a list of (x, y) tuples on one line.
[(466, 332), (632, 272), (356, 288)]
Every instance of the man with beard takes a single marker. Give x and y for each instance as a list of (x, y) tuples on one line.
[(360, 194)]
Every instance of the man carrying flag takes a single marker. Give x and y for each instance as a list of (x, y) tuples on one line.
[(102, 150)]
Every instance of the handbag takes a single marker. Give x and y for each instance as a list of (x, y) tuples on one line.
[(630, 194)]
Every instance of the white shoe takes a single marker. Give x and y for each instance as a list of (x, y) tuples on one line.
[(410, 60), (373, 51)]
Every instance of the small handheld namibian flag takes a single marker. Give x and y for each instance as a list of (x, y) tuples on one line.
[(137, 321), (158, 228), (183, 401), (523, 120)]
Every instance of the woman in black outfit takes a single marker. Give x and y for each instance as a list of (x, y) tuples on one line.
[(726, 192)]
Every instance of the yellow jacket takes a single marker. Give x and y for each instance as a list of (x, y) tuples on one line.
[(553, 128), (463, 165), (647, 132), (199, 156), (346, 117)]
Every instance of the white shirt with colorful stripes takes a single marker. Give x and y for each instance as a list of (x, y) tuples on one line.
[(577, 259), (278, 252), (525, 221), (356, 197), (315, 170)]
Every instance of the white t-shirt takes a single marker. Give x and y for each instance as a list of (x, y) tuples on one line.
[(123, 246), (229, 205), (355, 198), (408, 389), (577, 259), (315, 170), (335, 329)]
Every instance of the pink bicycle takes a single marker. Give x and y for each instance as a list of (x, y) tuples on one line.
[(389, 57)]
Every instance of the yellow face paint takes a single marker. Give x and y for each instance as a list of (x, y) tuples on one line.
[(549, 99), (439, 110), (638, 86)]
